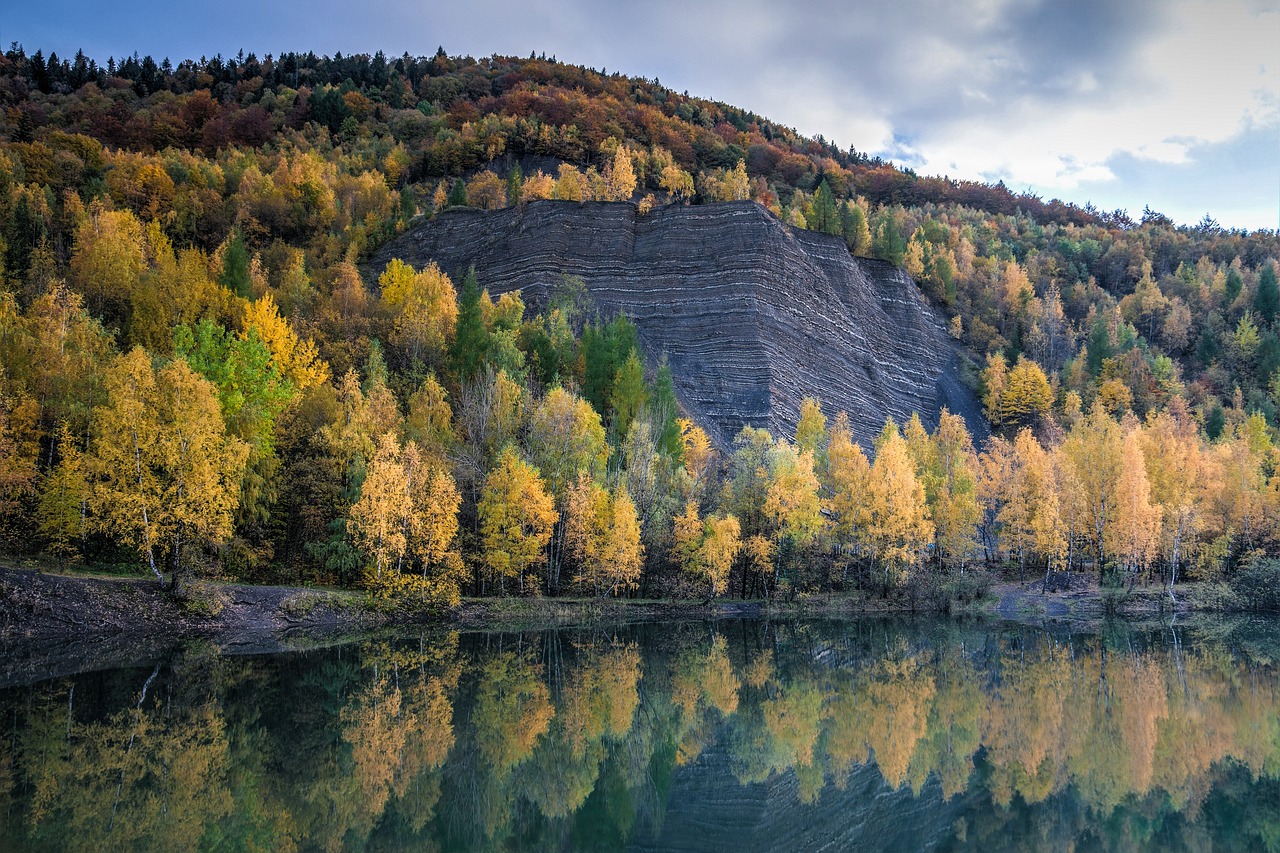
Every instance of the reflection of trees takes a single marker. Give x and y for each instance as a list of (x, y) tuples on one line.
[(577, 740)]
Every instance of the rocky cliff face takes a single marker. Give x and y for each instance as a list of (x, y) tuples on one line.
[(752, 315)]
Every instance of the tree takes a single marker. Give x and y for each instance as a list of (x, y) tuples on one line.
[(1026, 395), (516, 517), (297, 358), (1030, 522), (811, 427), (471, 339), (898, 525), (951, 490), (1093, 450), (425, 307), (1180, 476), (995, 379), (378, 520), (566, 438), (64, 500), (486, 191), (164, 474), (1133, 536), (791, 502), (1266, 299), (848, 476), (628, 395), (621, 177), (720, 546), (602, 535)]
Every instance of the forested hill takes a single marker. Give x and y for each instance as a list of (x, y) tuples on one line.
[(184, 244)]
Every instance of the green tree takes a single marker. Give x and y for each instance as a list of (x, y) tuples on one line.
[(471, 340), (1266, 300)]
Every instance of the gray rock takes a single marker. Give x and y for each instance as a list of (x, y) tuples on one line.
[(753, 315)]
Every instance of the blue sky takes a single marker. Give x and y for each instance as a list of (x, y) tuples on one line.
[(1169, 103)]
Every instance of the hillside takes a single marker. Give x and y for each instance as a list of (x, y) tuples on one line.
[(753, 316), (198, 253)]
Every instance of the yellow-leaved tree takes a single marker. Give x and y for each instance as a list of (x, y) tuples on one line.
[(424, 308), (296, 358), (602, 536), (516, 518), (1133, 536), (898, 525), (164, 473)]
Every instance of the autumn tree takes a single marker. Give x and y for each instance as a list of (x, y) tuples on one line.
[(897, 517), (425, 309), (164, 474), (516, 518)]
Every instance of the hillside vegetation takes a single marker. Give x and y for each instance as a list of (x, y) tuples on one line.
[(196, 377)]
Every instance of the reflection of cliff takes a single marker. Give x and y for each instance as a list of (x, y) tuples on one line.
[(753, 315), (710, 810), (741, 737)]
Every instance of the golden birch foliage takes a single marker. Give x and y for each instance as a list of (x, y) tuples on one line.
[(849, 474), (1015, 288), (621, 552), (760, 552), (582, 518), (432, 525), (995, 378), (811, 427), (297, 359), (954, 504), (1093, 450), (697, 450), (571, 184), (720, 546), (539, 185), (621, 176), (565, 438), (164, 472), (676, 181), (430, 420), (424, 305), (64, 495), (791, 503), (898, 525), (1030, 522), (1133, 536), (486, 191), (1180, 473), (516, 517), (687, 538), (1240, 501), (378, 520), (1027, 394), (109, 258)]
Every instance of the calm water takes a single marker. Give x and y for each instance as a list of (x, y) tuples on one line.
[(735, 736)]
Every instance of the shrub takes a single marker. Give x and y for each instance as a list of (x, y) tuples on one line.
[(1257, 585)]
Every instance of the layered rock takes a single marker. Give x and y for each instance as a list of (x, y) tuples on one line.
[(751, 314)]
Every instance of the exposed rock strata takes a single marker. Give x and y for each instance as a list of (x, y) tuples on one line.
[(752, 315)]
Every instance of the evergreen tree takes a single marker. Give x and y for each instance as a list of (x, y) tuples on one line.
[(471, 338), (1266, 300)]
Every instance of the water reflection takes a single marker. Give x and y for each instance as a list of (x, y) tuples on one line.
[(739, 735)]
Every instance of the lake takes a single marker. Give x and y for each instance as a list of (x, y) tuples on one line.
[(737, 735)]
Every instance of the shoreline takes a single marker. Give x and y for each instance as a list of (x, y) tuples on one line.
[(50, 605), (53, 625)]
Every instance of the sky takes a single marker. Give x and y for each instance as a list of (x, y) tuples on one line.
[(1171, 104)]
